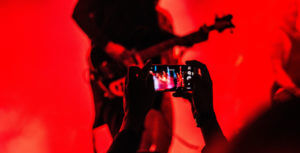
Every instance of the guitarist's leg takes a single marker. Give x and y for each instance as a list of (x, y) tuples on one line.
[(98, 103), (107, 111), (112, 114)]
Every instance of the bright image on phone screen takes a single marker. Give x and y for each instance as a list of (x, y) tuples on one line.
[(171, 77)]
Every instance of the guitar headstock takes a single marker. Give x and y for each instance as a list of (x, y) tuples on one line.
[(202, 34), (223, 23)]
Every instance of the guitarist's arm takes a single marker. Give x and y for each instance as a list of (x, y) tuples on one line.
[(281, 51), (84, 15)]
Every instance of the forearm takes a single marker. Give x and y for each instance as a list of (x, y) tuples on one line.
[(210, 128), (212, 134), (128, 140)]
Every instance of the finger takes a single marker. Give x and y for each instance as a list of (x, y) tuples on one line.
[(197, 82), (203, 69), (198, 68), (195, 63), (177, 94), (150, 88), (181, 92), (146, 68), (139, 60), (186, 96), (150, 83)]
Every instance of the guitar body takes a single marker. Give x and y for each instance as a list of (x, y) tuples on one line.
[(109, 72)]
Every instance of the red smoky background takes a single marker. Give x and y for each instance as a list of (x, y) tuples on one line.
[(45, 99)]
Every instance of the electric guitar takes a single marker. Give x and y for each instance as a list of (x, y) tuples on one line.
[(111, 72)]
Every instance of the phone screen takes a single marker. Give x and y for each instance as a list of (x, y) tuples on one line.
[(171, 77)]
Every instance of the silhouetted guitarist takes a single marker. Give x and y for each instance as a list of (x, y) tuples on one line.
[(115, 27)]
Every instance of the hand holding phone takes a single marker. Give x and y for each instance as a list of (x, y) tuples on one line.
[(201, 97)]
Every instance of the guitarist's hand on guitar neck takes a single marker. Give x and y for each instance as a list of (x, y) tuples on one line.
[(122, 55), (201, 36)]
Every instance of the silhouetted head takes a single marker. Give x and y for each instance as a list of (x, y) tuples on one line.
[(275, 131)]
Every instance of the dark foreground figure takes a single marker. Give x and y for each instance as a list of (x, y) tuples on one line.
[(275, 131), (139, 97)]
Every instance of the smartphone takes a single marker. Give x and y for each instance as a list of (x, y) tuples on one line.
[(171, 77)]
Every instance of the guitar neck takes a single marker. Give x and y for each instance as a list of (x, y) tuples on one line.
[(156, 50)]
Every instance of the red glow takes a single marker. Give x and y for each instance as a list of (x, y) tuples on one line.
[(45, 99)]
